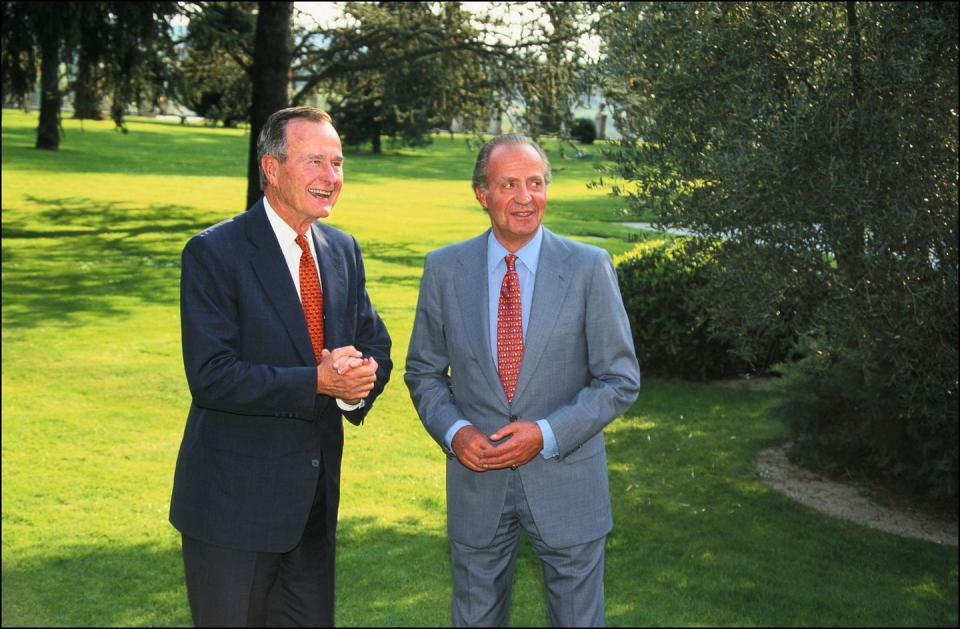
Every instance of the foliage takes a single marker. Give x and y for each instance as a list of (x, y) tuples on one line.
[(122, 48), (400, 69), (391, 96), (848, 424), (88, 85), (659, 282), (820, 140), (217, 56), (139, 54), (18, 63), (584, 131), (548, 80)]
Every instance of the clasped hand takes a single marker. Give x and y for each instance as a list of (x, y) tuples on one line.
[(346, 374), (481, 453)]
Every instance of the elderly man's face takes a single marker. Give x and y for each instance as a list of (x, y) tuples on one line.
[(516, 194), (307, 184)]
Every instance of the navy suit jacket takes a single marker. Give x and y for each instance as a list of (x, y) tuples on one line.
[(258, 436)]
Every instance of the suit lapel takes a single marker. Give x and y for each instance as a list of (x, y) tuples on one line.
[(549, 293), (473, 301), (271, 269)]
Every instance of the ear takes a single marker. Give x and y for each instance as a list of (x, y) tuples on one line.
[(269, 165), (481, 197)]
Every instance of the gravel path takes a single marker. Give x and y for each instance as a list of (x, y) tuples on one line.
[(851, 501)]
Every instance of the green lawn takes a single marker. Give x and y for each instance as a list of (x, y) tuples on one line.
[(94, 401)]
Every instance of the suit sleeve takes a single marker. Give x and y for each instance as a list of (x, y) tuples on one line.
[(612, 364), (371, 339), (428, 364), (218, 377)]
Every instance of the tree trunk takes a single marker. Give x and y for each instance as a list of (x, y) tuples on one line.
[(375, 139), (48, 131), (850, 253), (272, 53), (86, 96)]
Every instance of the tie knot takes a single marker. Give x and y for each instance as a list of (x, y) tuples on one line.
[(511, 262), (301, 242)]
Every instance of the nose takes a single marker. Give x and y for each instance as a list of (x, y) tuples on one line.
[(328, 172), (523, 195)]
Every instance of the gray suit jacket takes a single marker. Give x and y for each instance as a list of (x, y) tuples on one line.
[(579, 372)]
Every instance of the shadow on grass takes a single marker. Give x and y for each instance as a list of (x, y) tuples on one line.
[(699, 540), (199, 150), (97, 586), (384, 577), (206, 152), (76, 257), (198, 153), (404, 254)]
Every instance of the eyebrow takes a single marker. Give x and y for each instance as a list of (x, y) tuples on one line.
[(322, 156), (502, 178)]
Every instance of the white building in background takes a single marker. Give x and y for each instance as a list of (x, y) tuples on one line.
[(591, 106), (595, 108)]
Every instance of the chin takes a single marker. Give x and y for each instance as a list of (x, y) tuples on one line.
[(323, 211)]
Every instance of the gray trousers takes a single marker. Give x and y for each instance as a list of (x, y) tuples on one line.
[(483, 577)]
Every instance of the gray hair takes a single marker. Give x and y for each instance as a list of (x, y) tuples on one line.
[(273, 136), (483, 158)]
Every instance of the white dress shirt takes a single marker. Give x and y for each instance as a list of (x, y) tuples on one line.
[(286, 237)]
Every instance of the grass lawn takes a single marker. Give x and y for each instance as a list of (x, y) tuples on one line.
[(94, 402)]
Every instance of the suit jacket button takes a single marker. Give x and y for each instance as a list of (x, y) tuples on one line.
[(315, 462), (514, 418)]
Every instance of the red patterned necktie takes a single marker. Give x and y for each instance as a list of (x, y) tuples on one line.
[(509, 329), (311, 297)]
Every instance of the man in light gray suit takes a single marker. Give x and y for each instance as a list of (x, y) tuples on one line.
[(521, 353)]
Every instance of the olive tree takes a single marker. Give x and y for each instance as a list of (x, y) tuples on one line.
[(818, 142)]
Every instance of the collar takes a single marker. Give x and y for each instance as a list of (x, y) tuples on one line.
[(285, 233), (529, 254)]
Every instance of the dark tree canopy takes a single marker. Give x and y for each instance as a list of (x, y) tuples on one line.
[(819, 142), (121, 48)]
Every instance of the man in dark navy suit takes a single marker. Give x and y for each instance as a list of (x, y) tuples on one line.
[(280, 342)]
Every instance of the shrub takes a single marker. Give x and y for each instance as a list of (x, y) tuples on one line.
[(848, 420), (659, 282), (584, 131)]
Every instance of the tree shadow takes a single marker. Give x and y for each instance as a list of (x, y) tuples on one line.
[(92, 254), (97, 586), (699, 540), (401, 253), (395, 576), (385, 577), (198, 153), (202, 151)]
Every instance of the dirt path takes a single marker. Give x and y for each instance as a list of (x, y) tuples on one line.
[(853, 501)]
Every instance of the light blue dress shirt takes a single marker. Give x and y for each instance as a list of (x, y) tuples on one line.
[(528, 257)]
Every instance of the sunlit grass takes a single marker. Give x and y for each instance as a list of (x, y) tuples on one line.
[(94, 401)]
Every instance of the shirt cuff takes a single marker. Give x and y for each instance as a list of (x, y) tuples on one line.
[(350, 407), (448, 438), (550, 448)]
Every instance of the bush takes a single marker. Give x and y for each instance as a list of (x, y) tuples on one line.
[(847, 421), (584, 131), (659, 282)]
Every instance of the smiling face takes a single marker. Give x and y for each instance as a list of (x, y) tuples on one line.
[(516, 194), (305, 186)]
